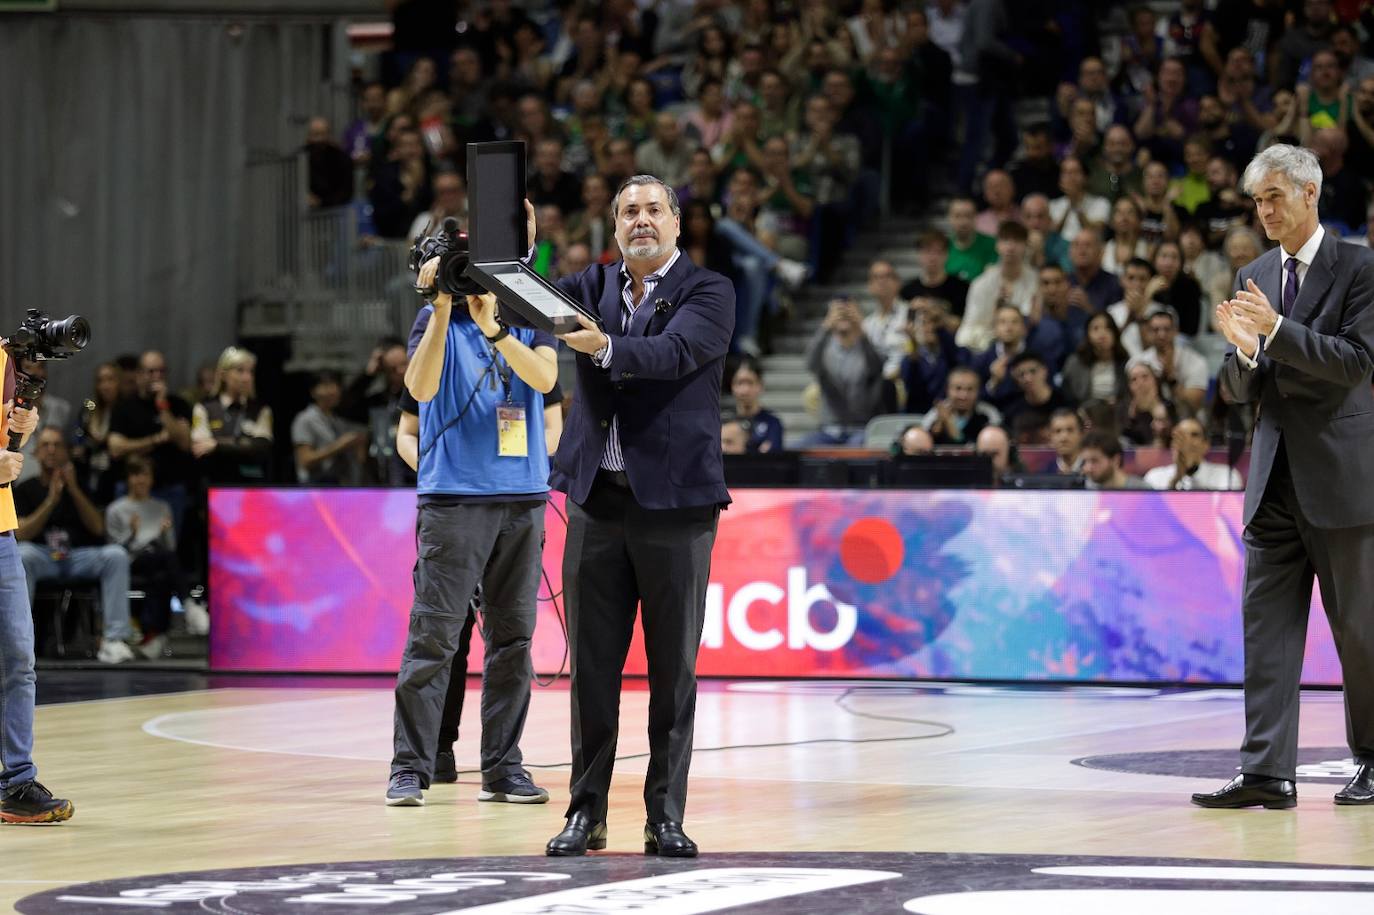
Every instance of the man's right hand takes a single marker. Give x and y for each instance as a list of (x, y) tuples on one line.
[(1237, 331), (529, 221), (428, 271), (11, 463)]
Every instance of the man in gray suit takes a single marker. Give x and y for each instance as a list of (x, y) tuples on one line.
[(1302, 329)]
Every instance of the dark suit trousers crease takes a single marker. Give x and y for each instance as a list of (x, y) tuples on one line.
[(619, 555), (1283, 554), (500, 545)]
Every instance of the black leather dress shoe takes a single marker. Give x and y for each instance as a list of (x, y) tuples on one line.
[(579, 835), (1360, 789), (1252, 791), (667, 840)]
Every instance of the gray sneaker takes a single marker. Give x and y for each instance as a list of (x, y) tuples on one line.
[(515, 788), (404, 790)]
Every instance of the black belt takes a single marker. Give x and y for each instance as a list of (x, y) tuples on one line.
[(616, 478)]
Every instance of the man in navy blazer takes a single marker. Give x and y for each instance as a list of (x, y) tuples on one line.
[(1301, 327), (641, 463)]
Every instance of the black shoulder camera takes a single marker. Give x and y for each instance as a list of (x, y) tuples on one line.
[(451, 247)]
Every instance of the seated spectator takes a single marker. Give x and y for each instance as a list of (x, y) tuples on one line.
[(1139, 287), (1076, 209), (1146, 411), (1360, 155), (1010, 281), (1066, 438), (1158, 215), (701, 180), (886, 326), (1207, 267), (450, 200), (1059, 325), (360, 135), (699, 239), (668, 153), (1029, 413), (709, 120), (933, 354), (1324, 101), (1093, 287), (849, 372), (329, 167), (763, 430), (91, 451), (733, 438), (777, 113), (1099, 416), (1046, 245), (142, 525), (1242, 245), (1226, 209), (739, 147), (1100, 462), (1127, 243), (970, 251), (1182, 369), (1083, 138), (914, 441), (960, 416), (231, 433), (1168, 115), (1233, 141), (994, 442), (999, 193), (1116, 176), (1097, 369), (401, 187), (62, 537), (1191, 190), (550, 184), (993, 364), (1190, 470), (592, 225), (1343, 195), (1180, 290), (156, 424), (786, 203), (329, 448), (933, 281), (373, 399), (1037, 171)]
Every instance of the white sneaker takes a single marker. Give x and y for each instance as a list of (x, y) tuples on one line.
[(113, 651), (793, 273), (154, 647), (197, 617)]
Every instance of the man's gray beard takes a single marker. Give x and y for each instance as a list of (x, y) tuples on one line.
[(643, 251)]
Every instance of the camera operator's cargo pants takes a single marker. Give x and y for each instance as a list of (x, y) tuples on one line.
[(16, 669), (500, 545)]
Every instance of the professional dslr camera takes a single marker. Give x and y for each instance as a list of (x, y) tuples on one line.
[(451, 247), (40, 338)]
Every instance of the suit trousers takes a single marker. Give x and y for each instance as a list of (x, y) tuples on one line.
[(1283, 552), (499, 545), (619, 555)]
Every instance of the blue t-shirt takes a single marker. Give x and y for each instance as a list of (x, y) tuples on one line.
[(459, 461)]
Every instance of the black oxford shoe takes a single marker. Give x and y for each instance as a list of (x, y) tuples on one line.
[(579, 835), (1360, 789), (667, 840), (1251, 791)]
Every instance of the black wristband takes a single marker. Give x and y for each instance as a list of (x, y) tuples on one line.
[(501, 334)]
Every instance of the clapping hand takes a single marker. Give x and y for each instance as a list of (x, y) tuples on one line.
[(1253, 305)]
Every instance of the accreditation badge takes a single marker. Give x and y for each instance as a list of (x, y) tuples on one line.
[(511, 437)]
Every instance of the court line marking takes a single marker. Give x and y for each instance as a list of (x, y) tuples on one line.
[(181, 692), (1085, 733)]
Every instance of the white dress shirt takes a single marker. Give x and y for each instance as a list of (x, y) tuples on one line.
[(1306, 254)]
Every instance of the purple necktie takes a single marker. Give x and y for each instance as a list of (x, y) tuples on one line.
[(1290, 286)]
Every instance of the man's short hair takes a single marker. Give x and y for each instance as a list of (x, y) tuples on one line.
[(1026, 358), (1065, 412), (1139, 263), (1109, 445), (962, 370), (931, 237), (1008, 306), (327, 376), (1162, 311), (136, 464), (1037, 129), (1011, 230), (638, 180), (1055, 266)]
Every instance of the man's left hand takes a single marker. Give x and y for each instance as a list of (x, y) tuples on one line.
[(23, 419), (588, 340), (483, 310), (1253, 308)]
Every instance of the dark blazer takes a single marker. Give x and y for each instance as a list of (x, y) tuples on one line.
[(1313, 386), (664, 384)]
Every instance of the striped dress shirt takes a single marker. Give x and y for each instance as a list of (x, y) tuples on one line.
[(614, 458)]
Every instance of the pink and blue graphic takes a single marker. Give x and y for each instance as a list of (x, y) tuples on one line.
[(1075, 586)]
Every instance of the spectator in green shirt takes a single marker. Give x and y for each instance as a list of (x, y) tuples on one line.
[(1192, 191), (970, 251)]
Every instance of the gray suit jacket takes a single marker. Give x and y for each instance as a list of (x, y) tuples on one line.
[(1313, 386)]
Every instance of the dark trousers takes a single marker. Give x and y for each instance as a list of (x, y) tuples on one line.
[(158, 570), (498, 545), (457, 683), (617, 556), (1283, 552)]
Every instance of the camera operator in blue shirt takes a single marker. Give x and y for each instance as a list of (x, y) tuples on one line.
[(483, 485)]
